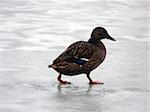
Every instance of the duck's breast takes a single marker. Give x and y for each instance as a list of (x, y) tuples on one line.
[(101, 52)]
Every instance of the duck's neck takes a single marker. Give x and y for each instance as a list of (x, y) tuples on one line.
[(94, 40)]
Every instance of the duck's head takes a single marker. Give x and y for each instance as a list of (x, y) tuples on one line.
[(99, 33)]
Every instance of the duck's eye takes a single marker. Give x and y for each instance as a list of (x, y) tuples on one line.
[(99, 33)]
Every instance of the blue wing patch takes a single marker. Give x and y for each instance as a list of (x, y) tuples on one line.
[(81, 61)]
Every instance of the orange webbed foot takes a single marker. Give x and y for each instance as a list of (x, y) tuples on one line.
[(64, 82)]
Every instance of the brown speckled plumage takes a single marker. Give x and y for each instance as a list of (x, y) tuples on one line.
[(93, 50)]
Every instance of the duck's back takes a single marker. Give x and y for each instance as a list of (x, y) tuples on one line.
[(81, 49), (95, 53)]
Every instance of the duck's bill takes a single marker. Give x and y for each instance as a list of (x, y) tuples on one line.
[(109, 37)]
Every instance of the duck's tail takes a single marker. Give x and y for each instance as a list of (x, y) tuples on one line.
[(53, 66), (49, 66)]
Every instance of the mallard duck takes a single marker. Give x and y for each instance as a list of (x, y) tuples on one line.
[(82, 57)]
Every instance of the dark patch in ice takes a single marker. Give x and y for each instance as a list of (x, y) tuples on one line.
[(136, 89), (39, 86), (7, 110)]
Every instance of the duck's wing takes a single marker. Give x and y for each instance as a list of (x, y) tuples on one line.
[(77, 50)]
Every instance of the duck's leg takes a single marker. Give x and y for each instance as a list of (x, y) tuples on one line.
[(61, 81), (91, 81)]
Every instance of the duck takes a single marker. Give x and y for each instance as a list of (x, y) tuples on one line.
[(82, 57)]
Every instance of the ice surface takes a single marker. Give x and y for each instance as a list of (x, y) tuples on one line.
[(34, 32)]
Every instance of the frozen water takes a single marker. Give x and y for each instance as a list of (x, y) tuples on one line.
[(34, 32)]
